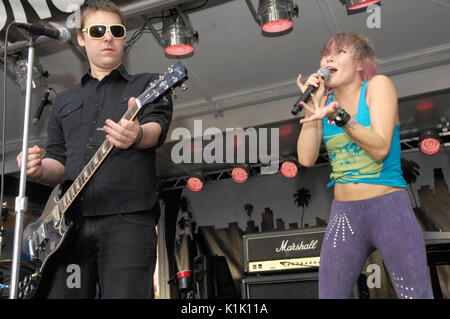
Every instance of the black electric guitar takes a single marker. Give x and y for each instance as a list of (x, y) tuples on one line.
[(44, 238)]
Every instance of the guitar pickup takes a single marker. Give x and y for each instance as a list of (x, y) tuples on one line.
[(31, 249), (56, 218)]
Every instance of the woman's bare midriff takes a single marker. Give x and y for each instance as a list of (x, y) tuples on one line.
[(360, 191)]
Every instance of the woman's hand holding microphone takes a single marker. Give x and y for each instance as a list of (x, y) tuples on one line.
[(314, 108)]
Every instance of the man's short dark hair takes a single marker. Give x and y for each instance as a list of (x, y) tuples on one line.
[(91, 6)]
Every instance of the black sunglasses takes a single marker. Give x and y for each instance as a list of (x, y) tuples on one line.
[(98, 31)]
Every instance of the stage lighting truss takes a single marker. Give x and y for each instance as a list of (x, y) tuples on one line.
[(178, 35), (274, 16), (407, 145)]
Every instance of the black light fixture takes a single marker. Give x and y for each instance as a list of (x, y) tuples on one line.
[(429, 142), (274, 16), (359, 4), (178, 36), (20, 69)]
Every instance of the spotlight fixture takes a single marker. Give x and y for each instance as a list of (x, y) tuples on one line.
[(289, 169), (359, 4), (274, 16), (20, 69), (178, 35), (239, 174), (195, 183), (429, 142)]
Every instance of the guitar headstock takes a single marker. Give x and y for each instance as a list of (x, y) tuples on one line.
[(174, 76)]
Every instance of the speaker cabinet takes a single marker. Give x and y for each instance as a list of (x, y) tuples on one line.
[(285, 286)]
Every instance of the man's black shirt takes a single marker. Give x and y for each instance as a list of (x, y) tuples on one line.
[(126, 180)]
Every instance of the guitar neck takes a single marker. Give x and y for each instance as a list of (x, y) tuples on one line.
[(175, 75), (95, 162)]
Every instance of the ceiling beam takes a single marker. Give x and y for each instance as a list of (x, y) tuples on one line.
[(402, 64)]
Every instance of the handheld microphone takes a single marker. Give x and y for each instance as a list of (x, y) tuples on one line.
[(325, 74), (45, 101), (60, 34)]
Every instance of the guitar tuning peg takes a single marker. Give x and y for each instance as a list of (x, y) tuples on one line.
[(174, 93), (183, 87)]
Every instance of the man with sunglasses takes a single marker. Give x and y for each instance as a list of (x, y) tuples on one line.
[(114, 249)]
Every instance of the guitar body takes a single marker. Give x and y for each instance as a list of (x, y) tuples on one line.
[(44, 239)]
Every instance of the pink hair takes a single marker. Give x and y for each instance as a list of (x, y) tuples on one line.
[(363, 51)]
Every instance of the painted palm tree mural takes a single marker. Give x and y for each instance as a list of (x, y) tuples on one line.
[(410, 171), (302, 198)]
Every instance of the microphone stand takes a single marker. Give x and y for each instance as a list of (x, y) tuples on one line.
[(21, 200)]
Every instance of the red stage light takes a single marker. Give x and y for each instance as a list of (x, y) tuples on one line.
[(277, 26), (429, 143), (358, 4), (286, 130), (289, 169), (195, 184), (430, 146), (239, 175), (179, 49), (425, 105)]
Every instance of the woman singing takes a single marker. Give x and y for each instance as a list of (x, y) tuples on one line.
[(356, 113)]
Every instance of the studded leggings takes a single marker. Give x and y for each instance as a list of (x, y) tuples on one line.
[(356, 228)]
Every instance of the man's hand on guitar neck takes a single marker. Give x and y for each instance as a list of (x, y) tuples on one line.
[(130, 133)]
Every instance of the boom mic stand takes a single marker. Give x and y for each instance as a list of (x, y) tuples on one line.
[(21, 200)]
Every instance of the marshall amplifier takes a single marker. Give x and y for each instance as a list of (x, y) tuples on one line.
[(283, 251), (300, 285)]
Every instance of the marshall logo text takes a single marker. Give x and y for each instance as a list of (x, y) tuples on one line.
[(286, 246)]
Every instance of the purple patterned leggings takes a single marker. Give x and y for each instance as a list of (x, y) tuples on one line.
[(356, 228)]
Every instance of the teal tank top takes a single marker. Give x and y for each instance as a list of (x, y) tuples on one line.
[(352, 164)]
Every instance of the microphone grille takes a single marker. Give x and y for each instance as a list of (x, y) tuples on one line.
[(324, 72), (64, 36)]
